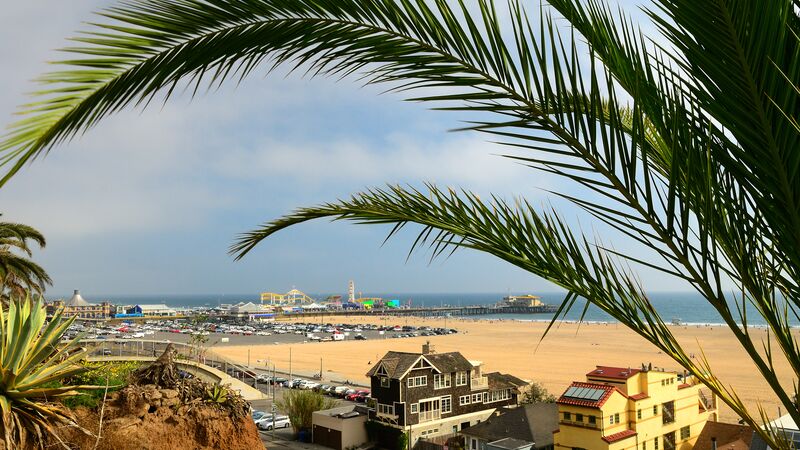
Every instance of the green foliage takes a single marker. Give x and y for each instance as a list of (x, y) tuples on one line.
[(217, 394), (32, 365), (536, 393), (402, 441), (299, 405), (115, 375), (689, 140), (18, 274)]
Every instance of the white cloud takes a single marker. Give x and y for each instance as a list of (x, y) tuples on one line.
[(464, 160)]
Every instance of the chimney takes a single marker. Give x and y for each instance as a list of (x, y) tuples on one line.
[(76, 292), (428, 348), (713, 443)]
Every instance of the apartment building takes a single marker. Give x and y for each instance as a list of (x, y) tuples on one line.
[(633, 409)]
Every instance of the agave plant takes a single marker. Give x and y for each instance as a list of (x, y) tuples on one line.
[(32, 358), (217, 394)]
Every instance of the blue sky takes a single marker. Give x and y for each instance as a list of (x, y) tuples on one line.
[(148, 202)]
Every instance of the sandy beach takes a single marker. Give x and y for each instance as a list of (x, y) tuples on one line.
[(566, 354)]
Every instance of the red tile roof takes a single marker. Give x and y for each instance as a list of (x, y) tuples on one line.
[(639, 396), (619, 436), (620, 373), (608, 390), (684, 386)]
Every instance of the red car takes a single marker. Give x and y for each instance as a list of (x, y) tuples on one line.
[(353, 397), (362, 397)]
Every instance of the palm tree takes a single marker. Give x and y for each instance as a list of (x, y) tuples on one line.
[(18, 274), (690, 138)]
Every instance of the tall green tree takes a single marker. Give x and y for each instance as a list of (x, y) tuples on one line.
[(690, 139), (18, 274)]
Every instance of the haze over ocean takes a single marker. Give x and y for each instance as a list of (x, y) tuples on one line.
[(689, 307)]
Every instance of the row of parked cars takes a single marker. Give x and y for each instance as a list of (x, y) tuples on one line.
[(265, 421), (344, 392)]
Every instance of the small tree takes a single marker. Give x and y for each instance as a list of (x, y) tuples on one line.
[(536, 393), (300, 405)]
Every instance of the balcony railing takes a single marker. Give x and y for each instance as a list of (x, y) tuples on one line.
[(425, 416), (479, 383)]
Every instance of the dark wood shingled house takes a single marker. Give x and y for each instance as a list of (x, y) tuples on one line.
[(431, 394)]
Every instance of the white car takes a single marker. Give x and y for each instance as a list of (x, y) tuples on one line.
[(266, 422)]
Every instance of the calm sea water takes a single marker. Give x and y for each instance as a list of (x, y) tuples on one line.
[(690, 308)]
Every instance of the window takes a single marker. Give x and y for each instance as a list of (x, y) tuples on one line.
[(655, 443), (386, 410), (463, 400), (578, 417), (592, 420), (655, 411), (485, 397), (447, 405), (611, 420), (455, 429), (476, 398), (616, 418), (639, 414), (685, 432), (461, 378), (474, 443), (567, 416), (662, 382), (414, 408), (441, 381), (668, 412), (497, 396), (417, 381), (384, 382), (644, 445)]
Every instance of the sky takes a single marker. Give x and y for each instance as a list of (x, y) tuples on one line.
[(149, 200)]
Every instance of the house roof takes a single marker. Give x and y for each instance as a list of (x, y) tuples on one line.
[(154, 307), (77, 300), (729, 436), (619, 436), (511, 444), (533, 423), (499, 380), (640, 396), (606, 389), (398, 363), (618, 373)]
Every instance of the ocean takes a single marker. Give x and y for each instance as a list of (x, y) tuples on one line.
[(689, 308)]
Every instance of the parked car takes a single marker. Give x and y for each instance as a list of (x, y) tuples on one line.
[(352, 396), (258, 415), (360, 337), (339, 391), (266, 423), (347, 392), (363, 397)]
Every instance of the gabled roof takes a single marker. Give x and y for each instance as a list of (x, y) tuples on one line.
[(607, 392), (398, 364), (618, 373), (533, 423), (619, 436), (729, 436), (499, 380)]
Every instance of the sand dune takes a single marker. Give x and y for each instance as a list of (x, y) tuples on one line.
[(567, 353)]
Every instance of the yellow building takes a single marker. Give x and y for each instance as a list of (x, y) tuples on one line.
[(633, 409)]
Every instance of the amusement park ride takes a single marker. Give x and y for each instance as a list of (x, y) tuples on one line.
[(298, 298)]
